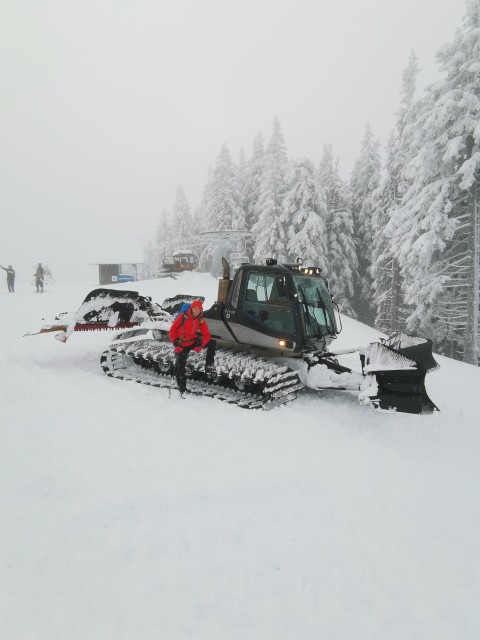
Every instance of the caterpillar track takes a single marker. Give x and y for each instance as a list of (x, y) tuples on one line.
[(248, 381)]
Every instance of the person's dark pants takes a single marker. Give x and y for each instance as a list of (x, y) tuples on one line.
[(10, 284), (182, 361)]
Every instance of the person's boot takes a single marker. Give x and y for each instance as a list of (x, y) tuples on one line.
[(182, 387), (210, 370)]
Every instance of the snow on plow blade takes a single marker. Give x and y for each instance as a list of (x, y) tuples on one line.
[(112, 306), (103, 309), (400, 364)]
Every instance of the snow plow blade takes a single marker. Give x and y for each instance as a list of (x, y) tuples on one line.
[(103, 309), (113, 307), (400, 364)]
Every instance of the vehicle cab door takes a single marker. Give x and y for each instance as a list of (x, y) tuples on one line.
[(260, 307)]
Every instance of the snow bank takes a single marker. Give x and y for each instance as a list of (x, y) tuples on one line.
[(127, 513)]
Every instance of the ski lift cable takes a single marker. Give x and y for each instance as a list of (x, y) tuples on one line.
[(209, 236)]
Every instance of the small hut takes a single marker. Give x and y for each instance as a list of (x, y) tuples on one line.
[(118, 261)]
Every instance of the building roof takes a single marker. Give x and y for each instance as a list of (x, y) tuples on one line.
[(184, 252), (116, 253)]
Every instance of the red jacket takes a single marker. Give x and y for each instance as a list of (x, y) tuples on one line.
[(186, 328)]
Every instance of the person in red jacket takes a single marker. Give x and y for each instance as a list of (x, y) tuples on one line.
[(190, 331)]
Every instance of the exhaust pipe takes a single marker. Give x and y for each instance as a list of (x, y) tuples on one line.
[(224, 283)]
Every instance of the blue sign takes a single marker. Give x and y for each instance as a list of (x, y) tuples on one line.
[(122, 278)]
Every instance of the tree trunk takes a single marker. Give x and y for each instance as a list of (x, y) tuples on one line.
[(473, 242), (395, 295)]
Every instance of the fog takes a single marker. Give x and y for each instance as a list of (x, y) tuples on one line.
[(106, 107)]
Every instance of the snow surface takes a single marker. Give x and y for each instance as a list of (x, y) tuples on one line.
[(128, 514)]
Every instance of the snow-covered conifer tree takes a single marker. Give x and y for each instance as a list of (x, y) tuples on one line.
[(206, 251), (251, 178), (440, 251), (387, 281), (304, 213), (269, 231), (221, 208), (182, 222), (341, 252), (385, 270), (241, 178), (364, 181), (163, 241), (196, 222)]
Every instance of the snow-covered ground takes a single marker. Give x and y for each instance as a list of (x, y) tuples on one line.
[(128, 514)]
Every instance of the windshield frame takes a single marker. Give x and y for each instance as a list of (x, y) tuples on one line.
[(321, 299)]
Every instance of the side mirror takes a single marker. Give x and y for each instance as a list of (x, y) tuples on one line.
[(338, 317)]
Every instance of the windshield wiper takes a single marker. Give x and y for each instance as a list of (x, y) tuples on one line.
[(305, 305)]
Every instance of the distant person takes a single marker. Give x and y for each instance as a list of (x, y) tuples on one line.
[(10, 278), (39, 278)]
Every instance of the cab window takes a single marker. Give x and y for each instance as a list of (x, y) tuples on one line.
[(266, 301)]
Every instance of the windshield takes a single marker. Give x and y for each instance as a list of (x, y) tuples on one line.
[(316, 304)]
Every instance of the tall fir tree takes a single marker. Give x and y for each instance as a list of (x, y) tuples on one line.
[(206, 249), (197, 222), (385, 270), (391, 311), (304, 215), (223, 210), (365, 179), (269, 231), (163, 241), (341, 252), (241, 179), (182, 220), (440, 245), (222, 206), (251, 178)]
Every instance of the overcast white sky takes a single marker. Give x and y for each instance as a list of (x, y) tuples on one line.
[(106, 106)]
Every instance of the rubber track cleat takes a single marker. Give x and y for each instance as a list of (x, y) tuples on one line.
[(210, 371)]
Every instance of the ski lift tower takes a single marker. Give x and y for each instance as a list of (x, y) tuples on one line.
[(231, 242)]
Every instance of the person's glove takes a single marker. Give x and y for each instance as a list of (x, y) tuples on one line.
[(198, 342), (177, 342)]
